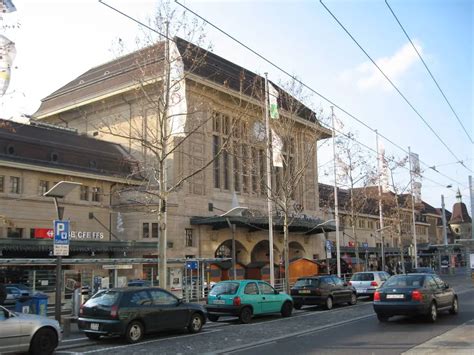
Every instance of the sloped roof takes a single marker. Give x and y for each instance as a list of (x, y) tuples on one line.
[(59, 148), (124, 72), (460, 214)]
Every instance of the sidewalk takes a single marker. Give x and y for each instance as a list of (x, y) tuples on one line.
[(459, 340)]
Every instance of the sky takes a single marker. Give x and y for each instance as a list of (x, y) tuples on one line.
[(58, 40)]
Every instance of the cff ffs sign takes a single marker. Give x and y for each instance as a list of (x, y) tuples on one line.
[(61, 232)]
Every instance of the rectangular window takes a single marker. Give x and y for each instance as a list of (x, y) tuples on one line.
[(43, 187), (217, 162), (14, 184), (189, 237), (154, 230), (2, 183), (370, 224), (245, 169), (146, 230), (262, 172), (361, 223), (96, 194), (237, 157), (15, 233), (225, 156), (254, 170), (84, 193)]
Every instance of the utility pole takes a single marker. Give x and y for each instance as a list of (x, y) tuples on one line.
[(415, 251), (379, 173), (336, 205)]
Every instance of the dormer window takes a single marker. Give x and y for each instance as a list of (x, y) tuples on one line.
[(10, 150), (54, 157)]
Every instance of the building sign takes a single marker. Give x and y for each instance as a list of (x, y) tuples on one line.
[(48, 233), (117, 267)]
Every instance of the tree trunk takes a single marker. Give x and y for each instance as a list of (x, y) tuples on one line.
[(286, 253)]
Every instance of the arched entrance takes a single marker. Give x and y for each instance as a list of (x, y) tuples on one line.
[(296, 250), (260, 252), (225, 251)]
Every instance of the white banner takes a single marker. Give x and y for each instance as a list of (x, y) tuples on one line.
[(383, 168), (7, 55), (273, 99), (415, 164), (177, 109), (277, 147)]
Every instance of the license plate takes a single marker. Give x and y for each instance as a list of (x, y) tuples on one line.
[(395, 296), (94, 326), (361, 290), (218, 302), (305, 291)]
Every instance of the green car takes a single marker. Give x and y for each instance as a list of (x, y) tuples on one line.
[(246, 298)]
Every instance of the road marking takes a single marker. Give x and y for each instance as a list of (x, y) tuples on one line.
[(150, 341), (289, 335)]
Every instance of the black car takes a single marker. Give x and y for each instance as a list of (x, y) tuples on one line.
[(326, 290), (132, 312), (423, 270), (139, 283), (414, 294)]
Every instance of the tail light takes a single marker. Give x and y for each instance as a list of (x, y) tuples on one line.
[(416, 296), (374, 283), (114, 311), (377, 296), (236, 301)]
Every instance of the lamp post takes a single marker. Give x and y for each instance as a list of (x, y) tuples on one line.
[(60, 190), (382, 251)]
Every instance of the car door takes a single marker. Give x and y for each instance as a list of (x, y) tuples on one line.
[(271, 302), (10, 331), (433, 289), (168, 311), (252, 296), (446, 293), (343, 292), (139, 305)]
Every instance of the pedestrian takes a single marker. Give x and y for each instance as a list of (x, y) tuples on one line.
[(3, 293)]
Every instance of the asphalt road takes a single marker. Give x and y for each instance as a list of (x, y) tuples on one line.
[(353, 329)]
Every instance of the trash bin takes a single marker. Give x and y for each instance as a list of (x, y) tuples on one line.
[(23, 305), (39, 304)]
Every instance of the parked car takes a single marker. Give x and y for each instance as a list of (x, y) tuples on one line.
[(423, 270), (131, 312), (414, 294), (27, 332), (367, 282), (139, 283), (25, 290), (245, 299), (13, 294), (324, 290)]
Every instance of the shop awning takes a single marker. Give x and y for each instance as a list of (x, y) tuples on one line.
[(303, 225)]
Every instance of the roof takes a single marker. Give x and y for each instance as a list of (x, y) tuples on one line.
[(55, 147), (122, 74), (460, 214)]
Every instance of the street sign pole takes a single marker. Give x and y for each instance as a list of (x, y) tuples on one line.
[(61, 248)]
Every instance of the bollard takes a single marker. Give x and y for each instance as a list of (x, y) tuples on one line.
[(66, 325)]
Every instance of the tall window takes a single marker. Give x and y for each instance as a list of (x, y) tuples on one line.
[(217, 161), (189, 237), (14, 184), (150, 230), (43, 187), (84, 193), (2, 183), (221, 129), (96, 194)]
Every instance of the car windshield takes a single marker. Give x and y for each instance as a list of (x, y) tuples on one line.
[(307, 282), (405, 281), (103, 298), (363, 277), (224, 288), (427, 270)]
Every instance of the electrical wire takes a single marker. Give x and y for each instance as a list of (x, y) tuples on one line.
[(429, 71), (394, 86)]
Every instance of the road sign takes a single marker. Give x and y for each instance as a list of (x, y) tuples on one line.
[(365, 245), (328, 245), (191, 265), (61, 238)]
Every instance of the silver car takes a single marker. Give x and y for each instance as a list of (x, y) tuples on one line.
[(367, 282), (28, 332)]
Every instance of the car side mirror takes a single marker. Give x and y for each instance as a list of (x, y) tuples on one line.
[(277, 292), (180, 300)]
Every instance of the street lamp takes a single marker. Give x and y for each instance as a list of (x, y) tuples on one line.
[(60, 190), (382, 251)]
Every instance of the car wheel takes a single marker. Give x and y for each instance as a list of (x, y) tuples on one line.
[(134, 332), (297, 305), (212, 317), (353, 300), (245, 315), (93, 336), (455, 307), (286, 309), (432, 312), (382, 318), (195, 323), (328, 304), (44, 342)]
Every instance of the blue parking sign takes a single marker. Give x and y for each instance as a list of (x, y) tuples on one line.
[(61, 232), (191, 265)]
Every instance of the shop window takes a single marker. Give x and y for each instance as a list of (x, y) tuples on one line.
[(14, 184), (189, 237), (84, 193), (154, 230), (2, 183), (96, 194), (15, 233), (43, 187)]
